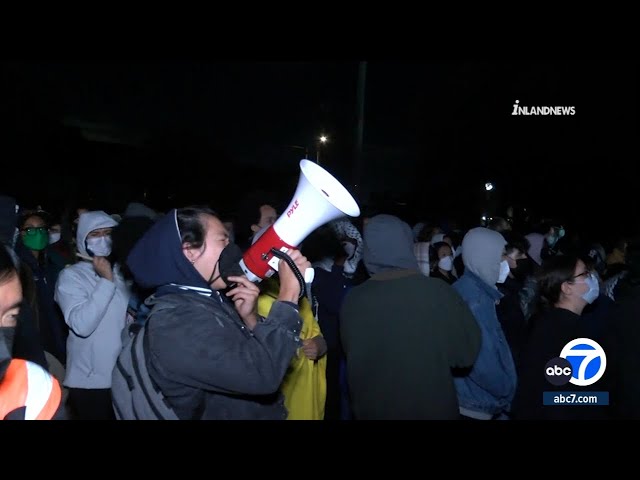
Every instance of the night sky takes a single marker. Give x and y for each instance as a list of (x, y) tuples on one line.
[(433, 134)]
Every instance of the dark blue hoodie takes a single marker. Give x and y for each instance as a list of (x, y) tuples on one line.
[(157, 259), (201, 356)]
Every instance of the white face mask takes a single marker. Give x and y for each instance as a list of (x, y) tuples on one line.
[(594, 289), (99, 246), (54, 237), (446, 263), (504, 271)]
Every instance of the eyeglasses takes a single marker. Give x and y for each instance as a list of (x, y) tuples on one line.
[(586, 272), (34, 230)]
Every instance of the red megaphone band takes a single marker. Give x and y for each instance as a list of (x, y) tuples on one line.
[(257, 258)]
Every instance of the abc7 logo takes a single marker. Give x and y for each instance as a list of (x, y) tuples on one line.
[(582, 362), (558, 371)]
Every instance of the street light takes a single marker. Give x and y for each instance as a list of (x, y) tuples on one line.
[(323, 139), (489, 188)]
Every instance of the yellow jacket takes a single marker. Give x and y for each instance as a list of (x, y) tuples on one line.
[(305, 384)]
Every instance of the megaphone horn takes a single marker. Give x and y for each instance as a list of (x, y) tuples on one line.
[(319, 198)]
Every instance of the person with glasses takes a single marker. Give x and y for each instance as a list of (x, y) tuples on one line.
[(27, 343), (567, 286), (34, 253)]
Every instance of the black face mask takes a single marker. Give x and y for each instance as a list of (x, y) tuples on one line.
[(229, 264), (7, 335), (523, 269)]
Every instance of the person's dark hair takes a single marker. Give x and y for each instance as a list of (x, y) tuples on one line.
[(322, 243), (249, 214), (124, 237), (456, 238), (45, 217), (433, 251), (190, 224), (369, 211), (426, 233), (87, 204), (542, 227), (620, 243), (594, 257), (515, 241), (627, 287), (498, 224), (554, 272), (7, 266), (633, 258), (55, 218)]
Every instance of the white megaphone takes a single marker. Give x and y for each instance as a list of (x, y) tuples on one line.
[(319, 199)]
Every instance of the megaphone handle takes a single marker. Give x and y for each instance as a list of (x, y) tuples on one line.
[(294, 268)]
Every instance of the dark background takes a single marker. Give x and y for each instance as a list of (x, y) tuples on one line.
[(178, 133)]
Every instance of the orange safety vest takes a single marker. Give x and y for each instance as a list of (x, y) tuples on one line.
[(27, 384)]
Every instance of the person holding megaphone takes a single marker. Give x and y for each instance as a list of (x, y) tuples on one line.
[(207, 350)]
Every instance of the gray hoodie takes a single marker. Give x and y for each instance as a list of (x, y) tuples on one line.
[(95, 310), (482, 253), (388, 245)]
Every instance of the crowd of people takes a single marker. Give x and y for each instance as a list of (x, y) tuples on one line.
[(428, 321)]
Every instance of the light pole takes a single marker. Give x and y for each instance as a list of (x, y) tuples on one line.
[(306, 150), (358, 163), (321, 141), (489, 188)]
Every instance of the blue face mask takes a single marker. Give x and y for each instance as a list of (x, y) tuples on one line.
[(594, 289)]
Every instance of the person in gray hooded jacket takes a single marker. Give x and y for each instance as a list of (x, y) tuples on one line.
[(207, 350), (93, 297), (403, 333), (487, 391)]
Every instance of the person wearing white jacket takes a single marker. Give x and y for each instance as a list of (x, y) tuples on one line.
[(93, 297)]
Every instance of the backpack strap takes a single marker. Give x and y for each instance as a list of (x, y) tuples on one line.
[(130, 385), (161, 409), (147, 400)]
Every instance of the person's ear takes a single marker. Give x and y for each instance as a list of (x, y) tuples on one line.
[(190, 252), (255, 228), (566, 288)]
